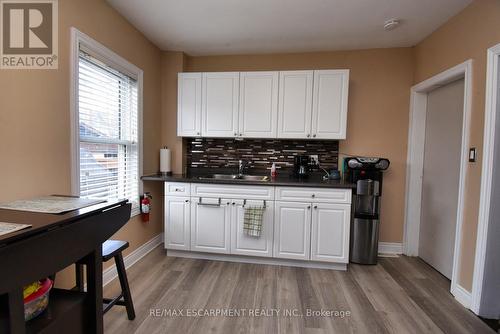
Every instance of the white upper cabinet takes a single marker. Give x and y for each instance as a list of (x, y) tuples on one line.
[(260, 104), (220, 93), (329, 113), (258, 107), (189, 104), (295, 104)]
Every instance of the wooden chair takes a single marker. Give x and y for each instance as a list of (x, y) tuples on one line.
[(112, 249)]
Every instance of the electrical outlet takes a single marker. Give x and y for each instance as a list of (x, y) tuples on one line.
[(314, 159)]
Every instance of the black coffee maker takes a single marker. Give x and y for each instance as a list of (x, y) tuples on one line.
[(301, 166)]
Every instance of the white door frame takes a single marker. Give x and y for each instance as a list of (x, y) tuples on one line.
[(492, 81), (415, 165)]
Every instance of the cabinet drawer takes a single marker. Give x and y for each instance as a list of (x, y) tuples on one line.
[(177, 189), (319, 195), (232, 191)]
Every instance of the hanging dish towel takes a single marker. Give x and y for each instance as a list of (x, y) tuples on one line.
[(252, 222)]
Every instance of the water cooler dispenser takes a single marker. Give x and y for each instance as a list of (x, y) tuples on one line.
[(366, 173)]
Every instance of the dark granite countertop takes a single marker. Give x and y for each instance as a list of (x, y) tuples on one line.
[(312, 181)]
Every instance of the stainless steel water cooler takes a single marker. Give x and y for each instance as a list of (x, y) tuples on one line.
[(366, 173)]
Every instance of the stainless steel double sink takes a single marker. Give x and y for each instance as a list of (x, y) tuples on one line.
[(235, 177)]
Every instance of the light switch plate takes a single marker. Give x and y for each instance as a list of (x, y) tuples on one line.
[(472, 154)]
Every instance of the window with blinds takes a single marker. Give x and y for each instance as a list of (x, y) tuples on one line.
[(108, 131)]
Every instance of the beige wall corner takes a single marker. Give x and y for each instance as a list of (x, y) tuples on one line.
[(171, 64), (466, 36), (377, 124)]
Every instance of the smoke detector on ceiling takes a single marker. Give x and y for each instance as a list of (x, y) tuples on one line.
[(391, 24)]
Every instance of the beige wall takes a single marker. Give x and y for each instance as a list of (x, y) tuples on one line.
[(171, 64), (466, 36), (377, 123), (35, 118)]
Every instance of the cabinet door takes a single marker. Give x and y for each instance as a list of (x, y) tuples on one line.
[(177, 224), (220, 104), (210, 225), (330, 232), (244, 244), (329, 116), (189, 104), (295, 104), (292, 227), (258, 107)]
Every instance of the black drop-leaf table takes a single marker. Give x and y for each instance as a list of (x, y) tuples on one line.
[(54, 242)]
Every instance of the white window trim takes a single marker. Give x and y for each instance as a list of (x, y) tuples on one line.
[(101, 52)]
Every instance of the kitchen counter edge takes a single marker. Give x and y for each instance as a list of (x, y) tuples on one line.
[(280, 181)]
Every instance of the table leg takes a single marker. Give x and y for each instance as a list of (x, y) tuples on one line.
[(94, 290), (16, 311)]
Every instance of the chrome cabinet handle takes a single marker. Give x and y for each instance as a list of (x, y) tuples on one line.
[(209, 204)]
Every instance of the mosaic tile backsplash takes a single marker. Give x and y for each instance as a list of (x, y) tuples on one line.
[(261, 153)]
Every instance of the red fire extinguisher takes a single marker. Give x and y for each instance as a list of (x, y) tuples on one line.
[(145, 206)]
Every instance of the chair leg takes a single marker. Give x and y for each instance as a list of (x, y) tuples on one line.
[(79, 277), (122, 276)]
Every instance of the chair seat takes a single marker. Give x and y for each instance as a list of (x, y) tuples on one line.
[(112, 247)]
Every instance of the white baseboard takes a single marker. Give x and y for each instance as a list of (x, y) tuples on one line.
[(390, 248), (110, 273), (463, 296), (257, 260)]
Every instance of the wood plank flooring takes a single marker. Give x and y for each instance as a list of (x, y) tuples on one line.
[(399, 295)]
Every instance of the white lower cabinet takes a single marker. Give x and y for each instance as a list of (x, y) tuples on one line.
[(292, 230), (211, 218), (330, 232), (210, 225), (177, 231), (243, 244)]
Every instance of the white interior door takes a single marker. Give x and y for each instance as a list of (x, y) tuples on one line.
[(295, 104), (189, 104), (258, 107), (244, 244), (177, 223), (488, 302), (329, 114), (210, 225), (292, 230), (441, 174), (220, 104)]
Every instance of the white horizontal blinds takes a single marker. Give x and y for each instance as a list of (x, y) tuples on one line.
[(108, 125)]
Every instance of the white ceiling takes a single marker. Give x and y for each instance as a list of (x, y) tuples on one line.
[(209, 27)]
